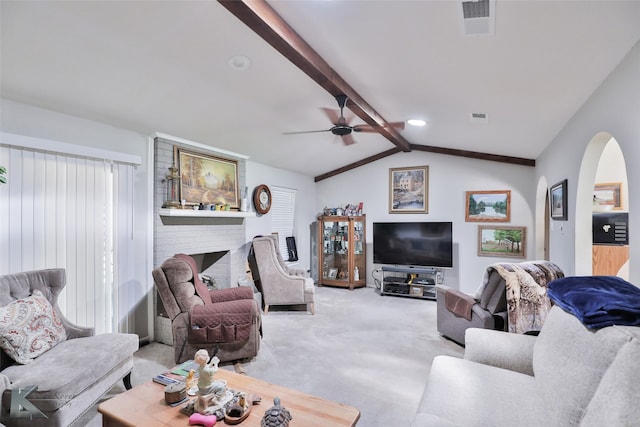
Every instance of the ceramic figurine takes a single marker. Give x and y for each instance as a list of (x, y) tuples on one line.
[(276, 416), (212, 394)]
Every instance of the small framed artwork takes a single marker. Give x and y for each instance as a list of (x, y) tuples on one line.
[(502, 241), (333, 273), (558, 201), (488, 206), (207, 179), (608, 194), (409, 190)]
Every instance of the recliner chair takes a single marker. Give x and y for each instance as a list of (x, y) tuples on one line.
[(226, 320), (494, 306), (279, 284)]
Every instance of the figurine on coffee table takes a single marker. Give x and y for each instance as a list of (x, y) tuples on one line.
[(212, 394)]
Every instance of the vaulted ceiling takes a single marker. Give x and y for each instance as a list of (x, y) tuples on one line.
[(172, 67)]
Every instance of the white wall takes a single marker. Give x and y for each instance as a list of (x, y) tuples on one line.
[(22, 119), (257, 174), (614, 108), (612, 168), (449, 179)]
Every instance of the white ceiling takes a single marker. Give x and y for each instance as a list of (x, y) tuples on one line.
[(162, 66)]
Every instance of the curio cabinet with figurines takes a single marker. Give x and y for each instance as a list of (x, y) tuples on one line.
[(342, 247)]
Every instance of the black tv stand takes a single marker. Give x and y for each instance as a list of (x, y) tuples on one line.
[(413, 282)]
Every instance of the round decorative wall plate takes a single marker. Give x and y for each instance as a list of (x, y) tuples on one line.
[(262, 199)]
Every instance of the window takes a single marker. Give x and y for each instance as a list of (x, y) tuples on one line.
[(282, 216), (71, 211)]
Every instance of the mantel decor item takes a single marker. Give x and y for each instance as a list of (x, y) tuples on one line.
[(262, 199), (409, 190), (207, 179), (502, 241), (558, 199), (173, 188), (488, 206)]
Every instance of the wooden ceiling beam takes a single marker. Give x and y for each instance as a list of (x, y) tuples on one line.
[(264, 21), (357, 164), (431, 149), (474, 155)]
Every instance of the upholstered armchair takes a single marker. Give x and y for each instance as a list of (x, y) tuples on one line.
[(70, 366), (512, 297), (224, 319), (278, 284)]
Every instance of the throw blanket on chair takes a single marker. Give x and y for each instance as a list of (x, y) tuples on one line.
[(526, 283), (598, 301)]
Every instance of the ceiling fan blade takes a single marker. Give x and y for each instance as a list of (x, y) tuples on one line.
[(306, 131), (333, 115), (369, 128), (348, 139)]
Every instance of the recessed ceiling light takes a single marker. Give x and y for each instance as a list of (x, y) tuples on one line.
[(416, 122), (239, 62)]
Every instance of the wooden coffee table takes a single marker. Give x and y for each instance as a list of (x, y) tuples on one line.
[(144, 405)]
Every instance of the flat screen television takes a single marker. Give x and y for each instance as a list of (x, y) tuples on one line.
[(423, 244)]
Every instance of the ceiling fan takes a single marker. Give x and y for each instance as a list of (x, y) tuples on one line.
[(341, 126)]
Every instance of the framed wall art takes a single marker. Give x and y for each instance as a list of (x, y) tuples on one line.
[(558, 201), (488, 206), (207, 179), (502, 241), (608, 194), (409, 190)]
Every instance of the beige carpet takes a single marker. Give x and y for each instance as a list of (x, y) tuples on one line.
[(361, 349)]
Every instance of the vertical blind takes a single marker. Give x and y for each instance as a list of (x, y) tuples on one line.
[(282, 216), (64, 211)]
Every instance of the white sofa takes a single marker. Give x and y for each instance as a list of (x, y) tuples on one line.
[(567, 376)]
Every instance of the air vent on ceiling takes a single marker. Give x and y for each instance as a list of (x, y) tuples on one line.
[(477, 17), (479, 118)]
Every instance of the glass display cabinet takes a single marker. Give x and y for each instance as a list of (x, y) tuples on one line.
[(342, 249)]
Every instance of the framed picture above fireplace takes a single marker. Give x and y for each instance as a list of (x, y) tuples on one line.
[(207, 179)]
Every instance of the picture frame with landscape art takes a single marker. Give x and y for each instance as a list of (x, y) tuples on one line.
[(608, 194), (409, 189), (488, 206), (207, 179), (502, 241), (558, 201)]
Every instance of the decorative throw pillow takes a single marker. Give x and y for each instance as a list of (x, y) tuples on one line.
[(29, 327)]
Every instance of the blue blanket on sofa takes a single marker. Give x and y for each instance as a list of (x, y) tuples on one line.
[(597, 301)]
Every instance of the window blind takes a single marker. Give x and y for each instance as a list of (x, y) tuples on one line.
[(60, 210), (282, 216)]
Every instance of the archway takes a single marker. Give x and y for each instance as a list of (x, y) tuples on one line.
[(590, 173)]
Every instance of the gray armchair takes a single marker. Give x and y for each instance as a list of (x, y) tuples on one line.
[(71, 375), (512, 298), (458, 311), (278, 284), (224, 319)]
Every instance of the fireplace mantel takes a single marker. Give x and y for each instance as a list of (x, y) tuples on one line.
[(204, 213)]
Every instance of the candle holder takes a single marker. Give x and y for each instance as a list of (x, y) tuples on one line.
[(173, 187)]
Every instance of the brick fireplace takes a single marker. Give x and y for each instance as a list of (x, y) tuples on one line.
[(218, 244)]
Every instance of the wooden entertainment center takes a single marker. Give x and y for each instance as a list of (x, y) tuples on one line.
[(413, 282)]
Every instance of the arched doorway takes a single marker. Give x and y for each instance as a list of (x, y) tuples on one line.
[(603, 163)]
